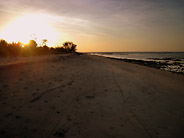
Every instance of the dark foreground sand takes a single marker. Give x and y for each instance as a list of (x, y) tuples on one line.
[(89, 97)]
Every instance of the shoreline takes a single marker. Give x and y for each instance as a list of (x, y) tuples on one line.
[(152, 64), (10, 61)]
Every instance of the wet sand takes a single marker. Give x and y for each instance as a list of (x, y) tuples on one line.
[(86, 96)]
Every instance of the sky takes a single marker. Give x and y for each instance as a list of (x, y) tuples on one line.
[(97, 25)]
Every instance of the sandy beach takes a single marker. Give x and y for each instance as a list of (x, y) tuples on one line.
[(71, 96)]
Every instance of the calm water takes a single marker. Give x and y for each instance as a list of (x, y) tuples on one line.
[(174, 60)]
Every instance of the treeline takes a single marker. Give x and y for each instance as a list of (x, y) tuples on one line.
[(32, 48)]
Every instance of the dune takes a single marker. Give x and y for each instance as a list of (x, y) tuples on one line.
[(88, 97)]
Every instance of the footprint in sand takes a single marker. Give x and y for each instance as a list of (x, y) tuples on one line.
[(60, 133), (3, 131), (46, 101), (58, 112), (17, 117), (90, 97), (111, 127), (26, 88), (33, 94), (156, 133), (122, 125), (5, 86), (68, 117), (70, 83)]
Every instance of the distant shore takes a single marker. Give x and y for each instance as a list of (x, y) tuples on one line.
[(89, 96)]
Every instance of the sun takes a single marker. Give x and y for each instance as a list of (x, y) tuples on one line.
[(30, 26)]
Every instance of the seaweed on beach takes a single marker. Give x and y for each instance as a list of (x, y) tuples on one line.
[(156, 64)]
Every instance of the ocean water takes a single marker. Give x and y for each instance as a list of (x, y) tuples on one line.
[(172, 61)]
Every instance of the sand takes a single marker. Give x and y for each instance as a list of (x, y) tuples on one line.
[(89, 97)]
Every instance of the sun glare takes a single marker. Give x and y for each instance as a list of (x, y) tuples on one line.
[(31, 26)]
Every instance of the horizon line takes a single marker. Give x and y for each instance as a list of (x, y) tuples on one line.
[(137, 51)]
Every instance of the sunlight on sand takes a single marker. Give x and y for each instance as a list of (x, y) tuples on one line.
[(31, 26)]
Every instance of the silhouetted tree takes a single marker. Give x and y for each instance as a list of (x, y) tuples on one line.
[(45, 49), (69, 46), (3, 43), (3, 47), (32, 44), (44, 42), (15, 48), (16, 43), (31, 49)]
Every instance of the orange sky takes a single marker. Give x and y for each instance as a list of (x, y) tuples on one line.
[(96, 25)]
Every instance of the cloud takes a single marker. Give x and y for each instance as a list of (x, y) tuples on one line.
[(101, 11), (101, 18)]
